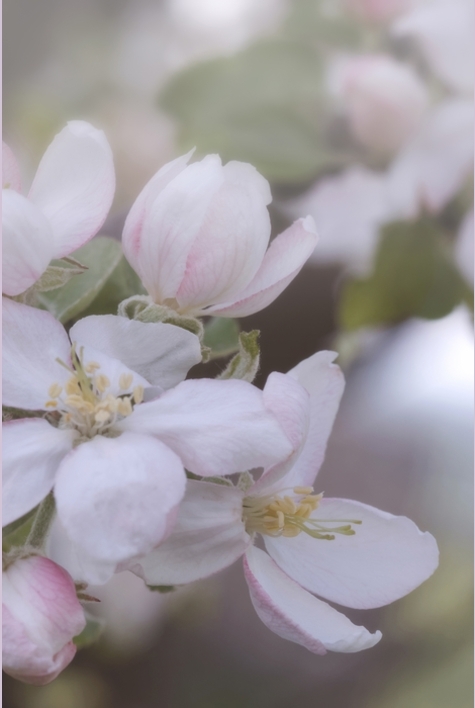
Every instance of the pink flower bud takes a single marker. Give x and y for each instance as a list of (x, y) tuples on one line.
[(41, 615), (378, 11), (384, 100)]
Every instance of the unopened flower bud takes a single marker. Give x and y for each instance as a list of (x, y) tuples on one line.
[(41, 615)]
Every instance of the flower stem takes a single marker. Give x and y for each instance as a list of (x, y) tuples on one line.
[(42, 522)]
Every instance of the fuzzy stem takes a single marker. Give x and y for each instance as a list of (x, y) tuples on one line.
[(42, 522)]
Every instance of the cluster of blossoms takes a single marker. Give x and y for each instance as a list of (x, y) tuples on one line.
[(117, 462), (409, 114)]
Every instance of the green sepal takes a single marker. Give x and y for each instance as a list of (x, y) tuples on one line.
[(14, 535), (91, 632), (143, 309), (221, 335), (246, 362)]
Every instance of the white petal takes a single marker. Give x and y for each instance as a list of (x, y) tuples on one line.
[(282, 262), (386, 558), (208, 536), (434, 166), (27, 378), (81, 566), (216, 427), (324, 381), (161, 353), (230, 245), (28, 243), (116, 497), (11, 177), (444, 32), (348, 235), (74, 185), (161, 242), (294, 614), (132, 233), (32, 453)]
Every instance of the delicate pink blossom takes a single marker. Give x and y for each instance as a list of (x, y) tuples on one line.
[(116, 443), (197, 235), (40, 616), (343, 551), (384, 99), (67, 204)]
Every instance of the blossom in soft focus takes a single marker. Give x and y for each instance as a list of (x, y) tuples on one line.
[(443, 30), (378, 11), (115, 461), (384, 99), (67, 203), (198, 237), (40, 616), (343, 551)]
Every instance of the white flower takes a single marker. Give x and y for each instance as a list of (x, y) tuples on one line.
[(384, 99), (67, 204), (197, 235), (117, 463), (341, 550), (40, 616)]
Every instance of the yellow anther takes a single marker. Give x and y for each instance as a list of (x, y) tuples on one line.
[(124, 406), (51, 404), (125, 381), (92, 367), (101, 382), (54, 390), (280, 519), (290, 531), (102, 416), (289, 506), (303, 490), (138, 394), (72, 386)]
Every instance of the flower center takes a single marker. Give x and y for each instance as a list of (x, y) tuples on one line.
[(86, 404), (290, 515)]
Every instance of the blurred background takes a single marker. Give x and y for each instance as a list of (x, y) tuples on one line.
[(359, 112)]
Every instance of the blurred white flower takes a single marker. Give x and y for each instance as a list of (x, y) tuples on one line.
[(40, 616), (384, 99)]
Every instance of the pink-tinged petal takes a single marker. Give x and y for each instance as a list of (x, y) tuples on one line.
[(282, 262), (117, 497), (433, 167), (386, 558), (161, 353), (32, 453), (28, 243), (170, 225), (41, 615), (74, 185), (11, 177), (216, 427), (294, 614), (81, 566), (208, 536), (27, 378), (323, 383), (132, 233), (233, 238)]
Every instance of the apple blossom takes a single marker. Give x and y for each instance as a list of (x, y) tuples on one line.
[(343, 551), (109, 430), (384, 99), (67, 204), (40, 616), (197, 236)]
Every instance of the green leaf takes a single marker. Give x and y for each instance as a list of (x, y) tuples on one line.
[(16, 533), (246, 362), (221, 335), (414, 276), (161, 588), (264, 105), (91, 632), (58, 274), (101, 256), (121, 284)]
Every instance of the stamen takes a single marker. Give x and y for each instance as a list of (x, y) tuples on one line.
[(51, 404), (54, 390), (102, 383), (125, 381), (92, 367), (138, 394)]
